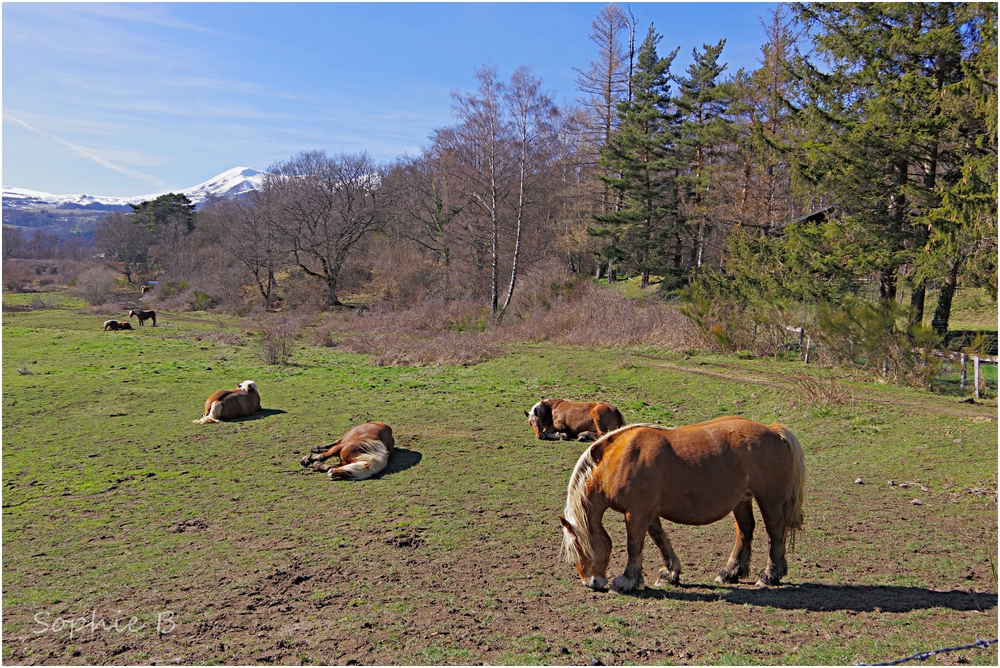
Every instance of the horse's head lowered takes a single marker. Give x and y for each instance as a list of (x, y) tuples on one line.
[(540, 418), (592, 566)]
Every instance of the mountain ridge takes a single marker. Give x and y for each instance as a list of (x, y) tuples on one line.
[(231, 183), (76, 215)]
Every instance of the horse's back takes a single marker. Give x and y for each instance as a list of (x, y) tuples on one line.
[(371, 431), (694, 474)]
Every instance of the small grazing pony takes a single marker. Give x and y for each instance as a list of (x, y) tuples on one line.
[(230, 404), (364, 451), (558, 419), (143, 316), (695, 475)]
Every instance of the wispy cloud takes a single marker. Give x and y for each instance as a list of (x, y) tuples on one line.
[(91, 155)]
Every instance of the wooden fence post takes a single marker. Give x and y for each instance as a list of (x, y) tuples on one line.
[(808, 339), (975, 364), (964, 379)]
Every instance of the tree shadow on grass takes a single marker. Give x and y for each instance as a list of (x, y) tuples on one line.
[(820, 597)]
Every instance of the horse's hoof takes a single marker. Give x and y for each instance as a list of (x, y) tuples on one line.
[(305, 461), (667, 578), (621, 584), (596, 583), (728, 578)]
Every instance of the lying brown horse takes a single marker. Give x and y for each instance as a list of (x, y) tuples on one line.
[(558, 419), (117, 324), (230, 404), (689, 475), (143, 316), (124, 324), (364, 451)]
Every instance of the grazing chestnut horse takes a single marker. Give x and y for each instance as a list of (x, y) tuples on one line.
[(230, 404), (143, 316), (558, 419), (112, 325), (364, 451), (696, 475)]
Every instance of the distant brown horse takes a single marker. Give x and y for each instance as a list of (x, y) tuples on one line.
[(558, 419), (143, 316), (689, 475), (145, 288), (364, 451), (112, 325), (230, 404)]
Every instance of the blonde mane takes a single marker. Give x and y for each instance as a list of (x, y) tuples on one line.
[(576, 499), (575, 513)]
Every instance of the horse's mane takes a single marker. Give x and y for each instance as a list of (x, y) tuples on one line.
[(575, 512), (542, 411), (576, 497)]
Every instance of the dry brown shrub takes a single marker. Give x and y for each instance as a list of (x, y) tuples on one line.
[(592, 315), (393, 349), (819, 391), (96, 286), (277, 335), (550, 308), (17, 276)]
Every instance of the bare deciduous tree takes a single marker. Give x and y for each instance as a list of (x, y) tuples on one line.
[(124, 243), (480, 147), (322, 207), (532, 117), (243, 231)]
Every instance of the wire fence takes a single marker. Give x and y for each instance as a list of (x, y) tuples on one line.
[(947, 372), (923, 656)]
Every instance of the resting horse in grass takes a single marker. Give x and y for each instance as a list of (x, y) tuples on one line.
[(695, 475), (143, 315), (558, 419), (230, 404), (112, 325), (364, 451)]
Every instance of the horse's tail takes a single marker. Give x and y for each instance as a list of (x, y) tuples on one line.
[(373, 457), (576, 512), (793, 504)]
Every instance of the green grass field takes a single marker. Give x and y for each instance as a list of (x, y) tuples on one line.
[(116, 506)]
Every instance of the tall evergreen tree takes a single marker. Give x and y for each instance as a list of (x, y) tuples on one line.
[(962, 230), (704, 133), (640, 166), (876, 127)]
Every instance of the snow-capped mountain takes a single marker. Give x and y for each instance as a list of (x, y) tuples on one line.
[(232, 183)]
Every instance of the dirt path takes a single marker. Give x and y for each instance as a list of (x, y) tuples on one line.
[(938, 404)]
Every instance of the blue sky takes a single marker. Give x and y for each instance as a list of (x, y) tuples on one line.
[(128, 99)]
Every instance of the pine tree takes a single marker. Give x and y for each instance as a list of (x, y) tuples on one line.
[(876, 129), (640, 163), (704, 133)]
